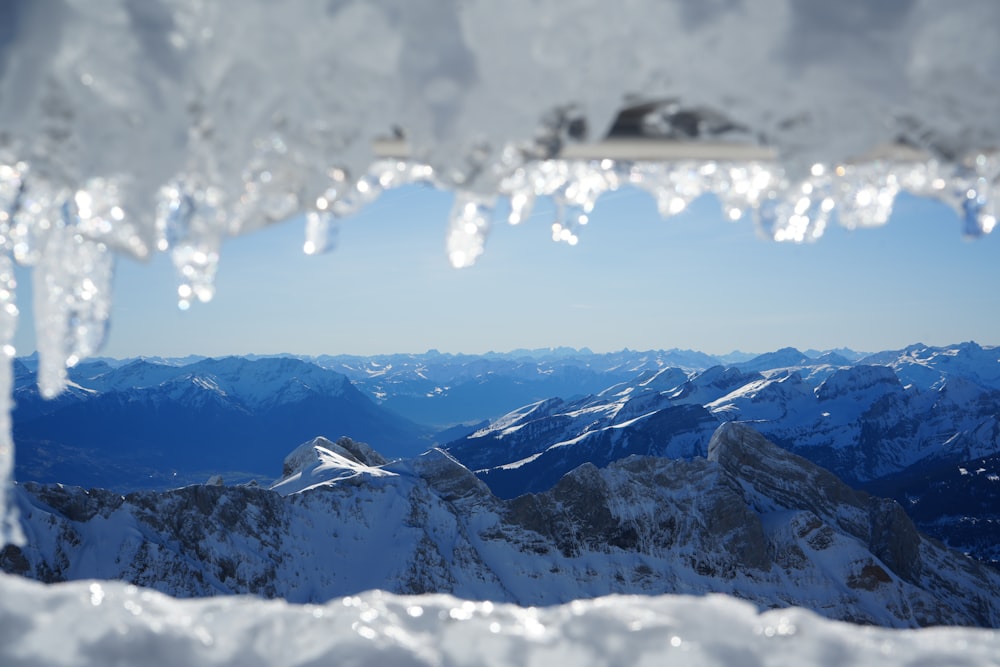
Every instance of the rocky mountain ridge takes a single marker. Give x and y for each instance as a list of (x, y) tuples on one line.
[(750, 520), (861, 421)]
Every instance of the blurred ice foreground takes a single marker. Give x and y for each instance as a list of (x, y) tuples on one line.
[(142, 125)]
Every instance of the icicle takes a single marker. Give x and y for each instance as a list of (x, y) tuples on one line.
[(674, 185), (521, 204), (976, 196), (72, 289), (468, 229), (190, 224), (97, 212), (10, 526), (11, 185), (739, 187), (321, 223), (517, 183), (341, 199), (321, 232), (866, 194), (271, 184), (798, 212), (583, 183), (41, 210)]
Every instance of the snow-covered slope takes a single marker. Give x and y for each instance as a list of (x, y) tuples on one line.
[(320, 461), (528, 450), (864, 424), (752, 521)]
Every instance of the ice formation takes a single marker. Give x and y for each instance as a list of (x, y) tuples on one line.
[(132, 126), (109, 623), (168, 125)]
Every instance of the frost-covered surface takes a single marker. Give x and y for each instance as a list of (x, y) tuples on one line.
[(107, 624)]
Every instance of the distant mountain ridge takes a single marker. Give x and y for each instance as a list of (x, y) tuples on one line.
[(137, 424)]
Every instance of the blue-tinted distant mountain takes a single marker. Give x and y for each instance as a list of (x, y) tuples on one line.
[(786, 357), (844, 352), (833, 359), (928, 367), (736, 357), (146, 424), (710, 384), (447, 389)]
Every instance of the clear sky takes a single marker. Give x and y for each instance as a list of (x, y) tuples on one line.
[(634, 280)]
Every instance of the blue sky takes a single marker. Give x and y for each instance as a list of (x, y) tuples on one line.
[(635, 280)]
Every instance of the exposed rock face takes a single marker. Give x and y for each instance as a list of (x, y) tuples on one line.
[(752, 520), (776, 475)]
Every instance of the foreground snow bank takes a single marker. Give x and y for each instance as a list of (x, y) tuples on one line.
[(108, 623)]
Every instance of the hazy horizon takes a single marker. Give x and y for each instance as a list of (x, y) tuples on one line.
[(694, 281)]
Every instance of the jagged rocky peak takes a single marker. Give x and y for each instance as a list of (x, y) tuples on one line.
[(305, 455), (752, 521), (444, 474), (786, 479), (832, 358), (360, 451), (778, 480), (73, 502)]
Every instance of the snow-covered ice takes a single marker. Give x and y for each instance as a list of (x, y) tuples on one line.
[(109, 623)]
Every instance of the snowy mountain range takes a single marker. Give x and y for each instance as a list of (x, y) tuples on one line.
[(750, 520), (933, 442), (919, 425)]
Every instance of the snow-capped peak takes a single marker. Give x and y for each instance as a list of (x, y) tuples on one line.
[(320, 462)]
